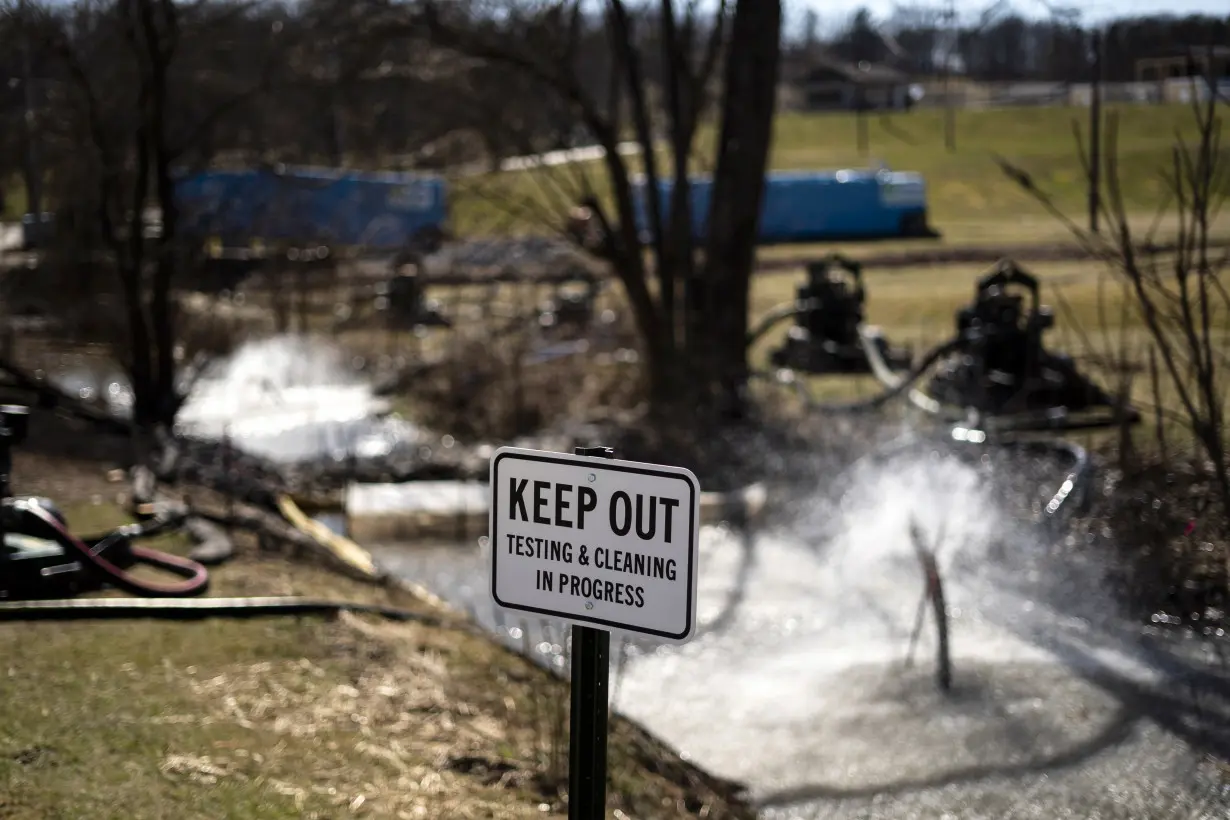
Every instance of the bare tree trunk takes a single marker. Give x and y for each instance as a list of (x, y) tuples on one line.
[(304, 301), (275, 281), (693, 344), (738, 190), (31, 167), (160, 43)]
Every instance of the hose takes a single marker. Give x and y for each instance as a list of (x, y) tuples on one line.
[(889, 378), (883, 373), (196, 578), (1073, 490), (342, 548), (196, 609), (778, 315), (1052, 420), (902, 384)]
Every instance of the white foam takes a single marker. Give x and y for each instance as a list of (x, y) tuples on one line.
[(288, 397)]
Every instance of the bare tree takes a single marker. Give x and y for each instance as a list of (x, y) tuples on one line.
[(1180, 294), (129, 123), (690, 308)]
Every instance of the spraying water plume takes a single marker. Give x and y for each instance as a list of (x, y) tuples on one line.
[(292, 398)]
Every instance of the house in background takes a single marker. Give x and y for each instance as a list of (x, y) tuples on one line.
[(1194, 61), (1179, 73), (820, 82)]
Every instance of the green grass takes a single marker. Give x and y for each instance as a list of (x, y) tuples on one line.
[(966, 184), (14, 199), (969, 198), (280, 718)]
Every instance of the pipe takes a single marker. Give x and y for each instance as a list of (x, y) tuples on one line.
[(195, 609), (892, 391)]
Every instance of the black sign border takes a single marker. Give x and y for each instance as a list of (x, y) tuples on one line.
[(599, 464)]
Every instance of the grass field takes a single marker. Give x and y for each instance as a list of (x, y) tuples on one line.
[(969, 198)]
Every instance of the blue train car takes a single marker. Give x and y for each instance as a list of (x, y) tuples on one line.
[(338, 208), (802, 206)]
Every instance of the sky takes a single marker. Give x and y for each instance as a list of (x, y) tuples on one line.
[(833, 12)]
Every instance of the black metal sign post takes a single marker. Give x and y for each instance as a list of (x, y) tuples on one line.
[(587, 735), (557, 525)]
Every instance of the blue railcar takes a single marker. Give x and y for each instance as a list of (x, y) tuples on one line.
[(804, 206), (379, 211)]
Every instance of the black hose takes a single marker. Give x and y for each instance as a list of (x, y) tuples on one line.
[(1062, 421), (776, 316), (892, 391), (196, 608), (1057, 420), (1073, 490)]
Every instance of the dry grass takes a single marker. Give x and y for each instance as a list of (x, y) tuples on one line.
[(492, 388), (294, 717)]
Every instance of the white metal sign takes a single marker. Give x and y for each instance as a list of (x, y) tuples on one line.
[(595, 541)]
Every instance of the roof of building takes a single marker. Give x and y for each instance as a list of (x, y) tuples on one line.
[(862, 72)]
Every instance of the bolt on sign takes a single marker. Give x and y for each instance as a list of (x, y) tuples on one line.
[(596, 542)]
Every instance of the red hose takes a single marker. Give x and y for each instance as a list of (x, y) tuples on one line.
[(196, 577)]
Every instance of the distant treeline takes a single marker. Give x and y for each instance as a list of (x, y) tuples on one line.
[(1001, 46), (364, 81)]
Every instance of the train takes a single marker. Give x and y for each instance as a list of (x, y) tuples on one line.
[(387, 211), (814, 206), (293, 206), (379, 211)]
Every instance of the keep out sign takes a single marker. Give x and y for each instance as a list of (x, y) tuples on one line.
[(594, 541)]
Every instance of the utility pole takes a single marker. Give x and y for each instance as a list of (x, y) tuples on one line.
[(1095, 132), (950, 129), (861, 104)]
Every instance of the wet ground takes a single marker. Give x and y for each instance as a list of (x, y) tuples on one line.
[(798, 683)]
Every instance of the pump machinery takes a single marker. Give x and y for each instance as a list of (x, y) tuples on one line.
[(41, 558), (1002, 368), (829, 336)]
